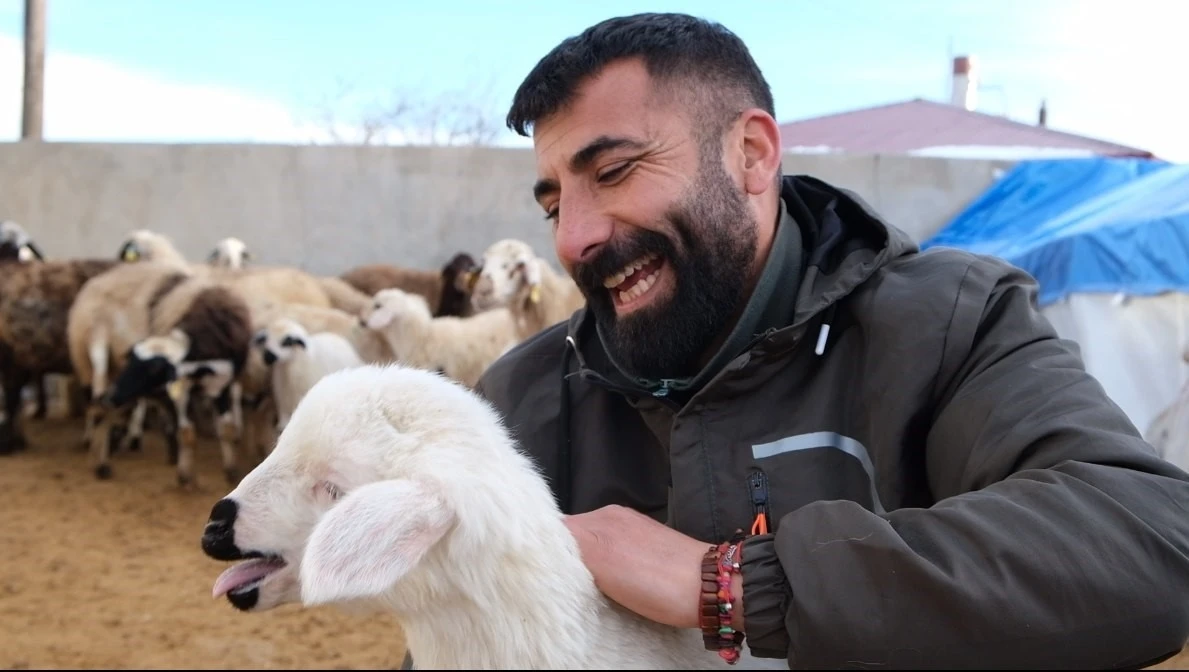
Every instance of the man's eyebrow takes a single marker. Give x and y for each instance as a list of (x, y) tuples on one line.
[(584, 157), (604, 143)]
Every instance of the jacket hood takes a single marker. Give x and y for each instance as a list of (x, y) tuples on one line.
[(844, 242)]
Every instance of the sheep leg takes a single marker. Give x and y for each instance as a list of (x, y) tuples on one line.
[(37, 409), (12, 433), (237, 407), (249, 434), (187, 439), (135, 430), (228, 437), (267, 441), (257, 424), (75, 397), (228, 431), (97, 352), (163, 409), (100, 440)]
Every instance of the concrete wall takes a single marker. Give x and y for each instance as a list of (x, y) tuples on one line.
[(327, 208)]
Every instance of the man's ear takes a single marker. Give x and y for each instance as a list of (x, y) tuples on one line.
[(370, 539), (758, 151)]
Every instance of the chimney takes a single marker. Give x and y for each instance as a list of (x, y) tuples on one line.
[(1043, 117), (964, 93)]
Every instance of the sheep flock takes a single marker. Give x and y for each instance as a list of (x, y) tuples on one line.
[(291, 373), (142, 339)]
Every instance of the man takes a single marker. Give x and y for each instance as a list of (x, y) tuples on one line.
[(943, 483)]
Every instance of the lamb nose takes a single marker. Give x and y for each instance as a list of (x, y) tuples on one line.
[(218, 539)]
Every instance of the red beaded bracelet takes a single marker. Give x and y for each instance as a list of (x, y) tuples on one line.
[(718, 566)]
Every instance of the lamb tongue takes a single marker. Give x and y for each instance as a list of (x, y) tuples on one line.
[(244, 573)]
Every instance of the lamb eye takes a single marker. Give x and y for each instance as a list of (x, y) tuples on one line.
[(331, 489)]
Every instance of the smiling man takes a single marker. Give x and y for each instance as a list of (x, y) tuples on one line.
[(924, 472)]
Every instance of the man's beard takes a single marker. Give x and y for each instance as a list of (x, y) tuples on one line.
[(710, 264)]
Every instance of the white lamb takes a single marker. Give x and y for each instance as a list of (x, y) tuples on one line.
[(512, 276), (298, 360), (394, 488), (230, 253), (460, 347)]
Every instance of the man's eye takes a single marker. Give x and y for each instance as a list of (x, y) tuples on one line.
[(616, 172)]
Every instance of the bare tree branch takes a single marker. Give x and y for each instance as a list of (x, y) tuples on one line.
[(464, 116)]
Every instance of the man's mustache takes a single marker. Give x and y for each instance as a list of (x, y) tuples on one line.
[(614, 256)]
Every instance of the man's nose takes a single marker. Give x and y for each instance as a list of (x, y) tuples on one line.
[(581, 231)]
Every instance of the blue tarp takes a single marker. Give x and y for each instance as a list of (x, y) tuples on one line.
[(1084, 225)]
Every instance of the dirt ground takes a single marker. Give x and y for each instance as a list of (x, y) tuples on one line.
[(110, 574)]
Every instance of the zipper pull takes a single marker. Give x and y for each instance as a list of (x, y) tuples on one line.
[(757, 485)]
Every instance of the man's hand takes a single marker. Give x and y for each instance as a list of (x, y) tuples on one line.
[(646, 566)]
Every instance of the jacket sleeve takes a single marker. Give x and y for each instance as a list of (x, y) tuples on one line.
[(1058, 537)]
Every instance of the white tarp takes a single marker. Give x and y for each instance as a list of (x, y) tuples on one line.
[(1134, 347)]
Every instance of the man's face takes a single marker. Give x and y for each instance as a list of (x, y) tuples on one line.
[(655, 231)]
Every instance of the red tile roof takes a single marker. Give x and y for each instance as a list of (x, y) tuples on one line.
[(918, 124)]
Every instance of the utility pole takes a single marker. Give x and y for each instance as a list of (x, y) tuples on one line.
[(33, 108)]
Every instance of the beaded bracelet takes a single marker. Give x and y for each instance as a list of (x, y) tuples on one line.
[(718, 565)]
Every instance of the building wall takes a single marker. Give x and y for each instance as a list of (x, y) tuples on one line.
[(327, 208)]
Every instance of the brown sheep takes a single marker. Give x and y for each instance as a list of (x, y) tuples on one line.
[(458, 276), (371, 278), (35, 301), (17, 245)]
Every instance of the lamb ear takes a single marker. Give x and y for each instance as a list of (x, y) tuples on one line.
[(370, 539), (532, 272)]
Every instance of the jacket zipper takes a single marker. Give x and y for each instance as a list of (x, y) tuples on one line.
[(592, 377), (666, 385), (757, 486)]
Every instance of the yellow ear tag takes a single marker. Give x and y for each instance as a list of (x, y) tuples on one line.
[(174, 390), (534, 294)]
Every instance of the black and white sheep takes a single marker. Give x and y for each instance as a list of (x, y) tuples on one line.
[(159, 326)]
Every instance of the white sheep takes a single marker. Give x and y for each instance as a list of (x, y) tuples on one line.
[(146, 245), (230, 253), (16, 243), (259, 410), (397, 489), (512, 276), (460, 347), (298, 360)]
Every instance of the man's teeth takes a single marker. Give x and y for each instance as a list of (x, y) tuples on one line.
[(617, 279), (640, 287)]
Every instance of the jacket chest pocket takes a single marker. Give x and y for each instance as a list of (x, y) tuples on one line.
[(780, 482)]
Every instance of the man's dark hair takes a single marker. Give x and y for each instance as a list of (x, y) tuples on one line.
[(688, 55)]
